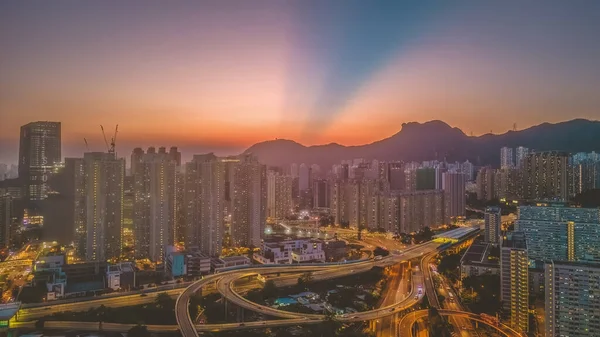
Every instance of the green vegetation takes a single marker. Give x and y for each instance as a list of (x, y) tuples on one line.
[(270, 290), (438, 327), (380, 251), (482, 293), (449, 265), (138, 331)]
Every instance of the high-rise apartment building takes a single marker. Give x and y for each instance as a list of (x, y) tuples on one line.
[(216, 198), (493, 221), (559, 233), (419, 209), (572, 299), (63, 208), (104, 174), (545, 176), (39, 152), (467, 170), (154, 217), (455, 201), (321, 196), (193, 194), (279, 195), (506, 158), (514, 280), (249, 209), (521, 153), (304, 177), (485, 183), (8, 219), (426, 179)]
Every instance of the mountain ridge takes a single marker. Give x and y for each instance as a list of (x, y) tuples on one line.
[(436, 140)]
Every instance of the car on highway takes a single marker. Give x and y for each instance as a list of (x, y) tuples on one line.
[(143, 295), (355, 317), (242, 324), (392, 309)]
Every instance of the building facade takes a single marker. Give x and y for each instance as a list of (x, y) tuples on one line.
[(545, 176), (514, 280), (455, 199), (572, 300), (104, 174), (154, 204), (39, 152), (493, 222), (560, 233), (249, 209)]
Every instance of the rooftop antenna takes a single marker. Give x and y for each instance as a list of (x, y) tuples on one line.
[(86, 145), (515, 127)]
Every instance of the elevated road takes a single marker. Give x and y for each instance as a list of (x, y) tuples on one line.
[(409, 320), (188, 329)]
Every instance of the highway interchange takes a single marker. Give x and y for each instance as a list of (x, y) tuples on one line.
[(403, 293)]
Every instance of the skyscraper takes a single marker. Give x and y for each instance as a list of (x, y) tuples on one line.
[(426, 179), (104, 174), (419, 209), (279, 195), (545, 176), (572, 299), (493, 220), (8, 219), (506, 158), (485, 183), (522, 152), (154, 204), (453, 185), (193, 189), (321, 194), (216, 203), (249, 209), (556, 232), (39, 151), (514, 280), (304, 177)]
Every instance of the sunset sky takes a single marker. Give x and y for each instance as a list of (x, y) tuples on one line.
[(223, 75)]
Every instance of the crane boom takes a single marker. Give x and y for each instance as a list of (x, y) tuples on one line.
[(105, 141), (113, 140)]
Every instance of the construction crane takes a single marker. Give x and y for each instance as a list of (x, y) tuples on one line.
[(110, 147)]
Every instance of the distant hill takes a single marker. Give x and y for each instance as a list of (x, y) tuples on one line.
[(437, 140)]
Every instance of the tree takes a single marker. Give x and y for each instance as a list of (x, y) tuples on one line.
[(449, 266), (380, 251), (270, 290), (138, 331), (164, 301)]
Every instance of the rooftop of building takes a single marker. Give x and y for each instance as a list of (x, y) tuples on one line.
[(478, 254), (493, 209), (233, 259), (514, 240), (583, 264), (8, 310)]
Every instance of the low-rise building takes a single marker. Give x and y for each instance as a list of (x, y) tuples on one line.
[(476, 261), (187, 263), (230, 261), (281, 251)]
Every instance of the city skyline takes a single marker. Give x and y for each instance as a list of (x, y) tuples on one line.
[(312, 72)]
